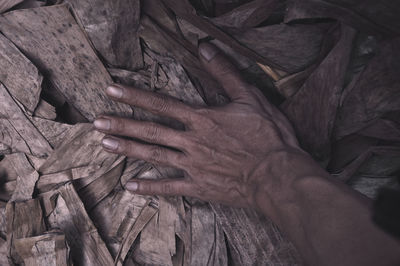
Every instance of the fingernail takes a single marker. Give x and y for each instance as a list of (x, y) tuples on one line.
[(208, 51), (110, 144), (103, 124), (114, 91), (133, 186)]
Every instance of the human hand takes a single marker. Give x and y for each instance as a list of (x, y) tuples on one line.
[(239, 154)]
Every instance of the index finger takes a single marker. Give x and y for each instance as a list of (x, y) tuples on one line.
[(156, 103)]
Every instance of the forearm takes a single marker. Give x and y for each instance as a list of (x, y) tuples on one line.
[(328, 222)]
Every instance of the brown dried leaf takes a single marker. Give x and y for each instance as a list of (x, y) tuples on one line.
[(50, 249), (208, 245), (50, 37), (17, 132), (167, 43), (248, 15), (157, 240), (375, 93), (254, 240), (146, 215), (45, 110), (26, 180), (82, 153), (112, 27), (69, 214), (24, 219), (312, 109), (366, 15), (7, 4), (19, 75)]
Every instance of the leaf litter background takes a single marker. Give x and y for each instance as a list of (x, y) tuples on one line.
[(333, 67)]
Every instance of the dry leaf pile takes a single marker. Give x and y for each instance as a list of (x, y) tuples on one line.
[(333, 68)]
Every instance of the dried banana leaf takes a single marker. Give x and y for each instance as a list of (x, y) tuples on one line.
[(375, 93), (50, 249), (248, 15), (7, 4), (51, 39), (69, 215), (24, 219), (112, 27), (19, 75), (18, 133), (253, 239), (26, 180), (312, 109), (374, 17)]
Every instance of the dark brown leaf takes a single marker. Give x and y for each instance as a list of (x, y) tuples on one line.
[(312, 109)]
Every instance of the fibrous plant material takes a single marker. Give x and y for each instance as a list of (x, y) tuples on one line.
[(369, 16), (7, 4), (23, 86), (51, 38), (70, 216), (112, 27), (18, 133), (49, 249), (62, 197), (312, 109)]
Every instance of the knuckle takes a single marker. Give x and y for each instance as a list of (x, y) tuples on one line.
[(160, 103), (118, 125), (157, 153), (124, 147), (204, 117), (152, 132), (167, 189)]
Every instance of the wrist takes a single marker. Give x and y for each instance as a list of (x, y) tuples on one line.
[(281, 172)]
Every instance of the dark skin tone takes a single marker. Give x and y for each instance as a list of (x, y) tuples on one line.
[(245, 154)]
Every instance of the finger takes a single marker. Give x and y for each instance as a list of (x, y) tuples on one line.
[(162, 187), (146, 131), (222, 69), (150, 153), (154, 102)]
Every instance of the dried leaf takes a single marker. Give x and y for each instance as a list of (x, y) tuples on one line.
[(54, 132), (112, 27), (24, 219), (167, 44), (248, 15), (146, 215), (312, 109), (50, 37), (208, 246), (18, 133), (157, 241), (80, 149), (370, 16), (50, 249), (19, 75), (290, 47), (115, 217), (92, 193), (87, 247), (253, 239), (26, 180), (375, 93), (45, 110), (7, 4)]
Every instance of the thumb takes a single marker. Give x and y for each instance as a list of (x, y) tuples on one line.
[(222, 70)]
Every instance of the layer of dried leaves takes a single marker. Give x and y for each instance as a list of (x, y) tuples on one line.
[(332, 67)]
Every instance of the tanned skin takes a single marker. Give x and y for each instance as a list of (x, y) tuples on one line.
[(245, 154)]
